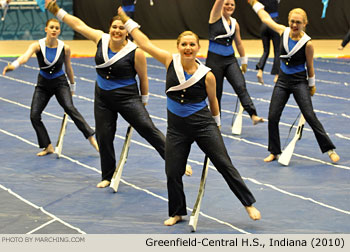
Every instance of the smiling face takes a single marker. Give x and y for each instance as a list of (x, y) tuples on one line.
[(228, 8), (117, 31), (53, 29), (188, 46)]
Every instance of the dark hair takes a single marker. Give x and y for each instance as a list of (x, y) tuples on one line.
[(53, 20), (113, 19)]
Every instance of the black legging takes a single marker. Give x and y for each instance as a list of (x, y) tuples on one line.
[(42, 94), (181, 133), (227, 66), (267, 35), (301, 92), (108, 104), (346, 39)]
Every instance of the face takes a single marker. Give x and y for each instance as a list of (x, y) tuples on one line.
[(188, 47), (229, 7), (53, 29), (296, 23), (118, 31)]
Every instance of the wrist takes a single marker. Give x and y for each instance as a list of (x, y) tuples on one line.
[(244, 60), (60, 14), (217, 120), (15, 64), (257, 6), (312, 81), (144, 98), (130, 25), (72, 86)]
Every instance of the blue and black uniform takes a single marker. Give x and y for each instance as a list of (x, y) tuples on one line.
[(292, 79), (189, 120), (267, 34), (52, 81), (116, 92), (223, 63)]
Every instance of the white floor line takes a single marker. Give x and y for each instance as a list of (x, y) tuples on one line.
[(96, 170), (30, 203), (224, 135), (42, 226)]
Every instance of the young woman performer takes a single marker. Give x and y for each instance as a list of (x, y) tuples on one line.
[(223, 29), (296, 51), (118, 60), (188, 84), (52, 53), (267, 35)]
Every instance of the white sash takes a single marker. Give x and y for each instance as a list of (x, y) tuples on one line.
[(130, 46), (229, 31), (42, 44), (200, 72), (305, 38)]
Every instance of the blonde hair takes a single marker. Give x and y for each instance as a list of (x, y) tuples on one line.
[(300, 12), (186, 33)]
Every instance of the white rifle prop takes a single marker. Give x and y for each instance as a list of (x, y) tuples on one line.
[(195, 212), (287, 153), (122, 160), (59, 145), (237, 124)]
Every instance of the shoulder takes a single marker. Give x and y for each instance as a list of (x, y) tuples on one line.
[(210, 77), (67, 50), (35, 46)]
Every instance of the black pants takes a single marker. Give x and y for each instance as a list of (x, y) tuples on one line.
[(346, 39), (227, 66), (108, 104), (266, 36), (43, 92), (181, 133), (300, 90)]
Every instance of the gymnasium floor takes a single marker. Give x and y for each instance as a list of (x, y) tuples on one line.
[(46, 195)]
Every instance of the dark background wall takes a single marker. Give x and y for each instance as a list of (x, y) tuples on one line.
[(168, 18)]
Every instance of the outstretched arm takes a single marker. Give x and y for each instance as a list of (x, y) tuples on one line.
[(143, 41), (33, 48), (216, 11), (75, 23), (265, 17)]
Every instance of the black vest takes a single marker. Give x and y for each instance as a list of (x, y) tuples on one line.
[(218, 28), (194, 94), (124, 68), (297, 59), (53, 69)]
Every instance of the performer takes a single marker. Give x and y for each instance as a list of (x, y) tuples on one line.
[(4, 3), (118, 60), (223, 29), (345, 41), (188, 84), (52, 53), (296, 51), (267, 35)]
